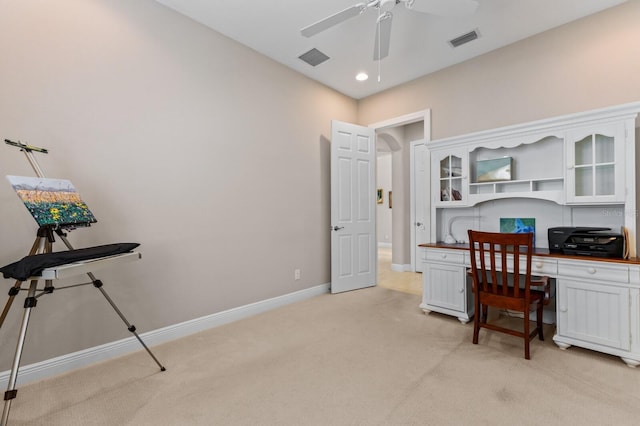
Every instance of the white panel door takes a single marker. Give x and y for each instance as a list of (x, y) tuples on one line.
[(420, 200), (354, 262)]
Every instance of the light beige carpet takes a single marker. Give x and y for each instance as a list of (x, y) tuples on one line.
[(368, 357)]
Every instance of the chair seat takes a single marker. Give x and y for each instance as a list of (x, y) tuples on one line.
[(509, 300)]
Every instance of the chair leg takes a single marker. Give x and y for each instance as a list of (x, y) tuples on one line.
[(526, 335), (485, 313), (476, 320), (539, 321), (476, 329)]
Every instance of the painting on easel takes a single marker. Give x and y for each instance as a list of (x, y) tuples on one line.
[(52, 201)]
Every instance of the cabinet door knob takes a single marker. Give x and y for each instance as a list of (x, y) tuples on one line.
[(461, 290), (591, 270), (443, 255), (538, 265), (563, 309)]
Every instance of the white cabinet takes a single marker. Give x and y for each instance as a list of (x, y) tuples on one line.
[(446, 288), (594, 308), (595, 164), (593, 313), (597, 302), (575, 161), (450, 177)]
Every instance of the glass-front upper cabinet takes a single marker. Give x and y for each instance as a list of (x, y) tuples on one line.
[(595, 165), (452, 185)]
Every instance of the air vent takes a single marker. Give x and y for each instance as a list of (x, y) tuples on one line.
[(314, 57), (463, 39)]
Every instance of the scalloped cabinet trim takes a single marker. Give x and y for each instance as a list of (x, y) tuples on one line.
[(581, 159)]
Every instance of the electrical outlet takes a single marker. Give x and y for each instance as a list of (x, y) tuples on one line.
[(296, 274)]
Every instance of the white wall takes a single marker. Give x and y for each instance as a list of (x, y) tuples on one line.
[(213, 157)]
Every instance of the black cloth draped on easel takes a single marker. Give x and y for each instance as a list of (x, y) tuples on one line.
[(30, 266)]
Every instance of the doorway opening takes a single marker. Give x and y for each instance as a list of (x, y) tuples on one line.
[(392, 215), (398, 210)]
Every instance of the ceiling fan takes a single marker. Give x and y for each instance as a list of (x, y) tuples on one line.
[(383, 23)]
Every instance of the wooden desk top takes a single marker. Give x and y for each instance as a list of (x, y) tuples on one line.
[(542, 253)]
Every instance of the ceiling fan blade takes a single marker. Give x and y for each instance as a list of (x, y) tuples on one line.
[(332, 20), (444, 7), (383, 36)]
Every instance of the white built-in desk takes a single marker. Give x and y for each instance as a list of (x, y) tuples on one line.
[(597, 299)]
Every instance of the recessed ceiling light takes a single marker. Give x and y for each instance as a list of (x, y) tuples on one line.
[(362, 76)]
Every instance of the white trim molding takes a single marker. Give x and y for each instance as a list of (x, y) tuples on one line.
[(65, 363), (401, 268)]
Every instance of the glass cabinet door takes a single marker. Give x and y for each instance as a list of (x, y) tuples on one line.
[(596, 167), (451, 186)]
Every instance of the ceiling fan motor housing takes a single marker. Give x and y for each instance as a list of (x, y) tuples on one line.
[(387, 5)]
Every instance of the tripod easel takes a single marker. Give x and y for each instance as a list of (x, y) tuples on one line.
[(43, 244)]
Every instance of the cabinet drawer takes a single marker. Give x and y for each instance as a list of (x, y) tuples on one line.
[(542, 267), (598, 271), (423, 254), (448, 256)]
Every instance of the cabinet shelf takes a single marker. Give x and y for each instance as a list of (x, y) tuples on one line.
[(551, 189)]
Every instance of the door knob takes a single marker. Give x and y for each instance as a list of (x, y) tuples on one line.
[(337, 228)]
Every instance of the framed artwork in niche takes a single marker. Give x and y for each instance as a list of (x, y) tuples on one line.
[(493, 170), (519, 225)]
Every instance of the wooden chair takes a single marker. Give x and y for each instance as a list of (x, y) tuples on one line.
[(495, 258)]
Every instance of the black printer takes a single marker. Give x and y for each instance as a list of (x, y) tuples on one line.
[(586, 241)]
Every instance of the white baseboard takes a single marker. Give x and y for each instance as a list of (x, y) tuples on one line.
[(62, 364)]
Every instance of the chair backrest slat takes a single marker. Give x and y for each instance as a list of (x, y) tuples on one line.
[(499, 247)]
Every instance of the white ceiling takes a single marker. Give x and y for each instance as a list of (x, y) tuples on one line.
[(419, 41)]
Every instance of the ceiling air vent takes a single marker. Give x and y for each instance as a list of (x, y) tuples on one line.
[(313, 57), (465, 38)]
